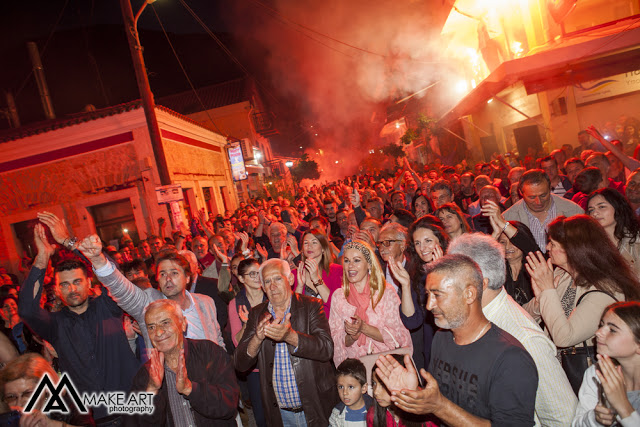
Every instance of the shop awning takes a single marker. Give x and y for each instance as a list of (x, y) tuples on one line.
[(254, 168), (586, 56)]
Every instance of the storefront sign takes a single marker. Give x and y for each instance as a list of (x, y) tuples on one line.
[(236, 159), (169, 193), (607, 87)]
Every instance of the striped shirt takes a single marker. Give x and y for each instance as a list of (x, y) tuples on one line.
[(180, 407), (284, 379), (539, 230)]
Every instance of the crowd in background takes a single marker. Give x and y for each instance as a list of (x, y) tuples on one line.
[(549, 244)]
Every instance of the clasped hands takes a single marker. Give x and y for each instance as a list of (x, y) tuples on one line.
[(275, 329)]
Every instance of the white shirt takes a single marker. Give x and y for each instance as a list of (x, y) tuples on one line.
[(555, 399)]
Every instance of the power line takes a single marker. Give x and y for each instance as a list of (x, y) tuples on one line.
[(290, 21), (227, 51), (195, 92), (44, 48)]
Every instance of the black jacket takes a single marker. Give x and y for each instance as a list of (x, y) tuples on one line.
[(215, 393)]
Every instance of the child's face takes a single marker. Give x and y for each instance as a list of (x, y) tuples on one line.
[(380, 392), (351, 391)]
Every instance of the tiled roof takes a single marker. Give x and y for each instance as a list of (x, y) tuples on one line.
[(76, 119), (219, 95)]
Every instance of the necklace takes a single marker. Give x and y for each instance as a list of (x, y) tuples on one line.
[(479, 334)]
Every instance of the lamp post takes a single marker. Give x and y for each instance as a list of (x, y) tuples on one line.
[(148, 104)]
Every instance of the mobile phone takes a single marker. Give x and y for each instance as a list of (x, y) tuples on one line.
[(10, 419), (286, 216)]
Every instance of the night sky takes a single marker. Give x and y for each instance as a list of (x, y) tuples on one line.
[(337, 82)]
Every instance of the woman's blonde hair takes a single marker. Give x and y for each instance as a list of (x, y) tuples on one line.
[(377, 279)]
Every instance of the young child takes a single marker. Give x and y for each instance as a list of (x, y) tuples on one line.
[(351, 378), (384, 413)]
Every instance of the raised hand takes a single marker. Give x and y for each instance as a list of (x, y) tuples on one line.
[(300, 271), (58, 227), (293, 244), (45, 249), (261, 326), (91, 247), (365, 236), (222, 257), (400, 274), (262, 251), (183, 383), (395, 376), (243, 313), (245, 240), (437, 252), (615, 389), (491, 210), (541, 272), (311, 265), (155, 370)]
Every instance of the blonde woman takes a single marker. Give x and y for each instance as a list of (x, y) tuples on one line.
[(365, 315)]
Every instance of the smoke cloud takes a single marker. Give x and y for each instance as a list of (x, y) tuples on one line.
[(342, 90)]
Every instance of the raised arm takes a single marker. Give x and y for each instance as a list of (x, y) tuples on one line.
[(629, 162), (29, 308)]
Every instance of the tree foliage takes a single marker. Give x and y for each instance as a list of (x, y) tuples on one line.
[(305, 168), (426, 128), (394, 150)]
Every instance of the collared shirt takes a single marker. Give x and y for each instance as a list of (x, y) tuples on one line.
[(195, 329), (555, 400), (539, 230), (180, 407), (284, 379)]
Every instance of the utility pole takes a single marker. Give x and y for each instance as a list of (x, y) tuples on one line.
[(148, 104)]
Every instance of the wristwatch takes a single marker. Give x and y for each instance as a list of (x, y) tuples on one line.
[(70, 243)]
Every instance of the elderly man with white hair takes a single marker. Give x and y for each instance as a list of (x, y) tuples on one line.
[(193, 381), (289, 338), (555, 400)]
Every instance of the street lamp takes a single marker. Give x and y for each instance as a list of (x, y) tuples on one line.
[(148, 104), (288, 163)]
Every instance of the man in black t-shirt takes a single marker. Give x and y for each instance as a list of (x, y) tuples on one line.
[(479, 374)]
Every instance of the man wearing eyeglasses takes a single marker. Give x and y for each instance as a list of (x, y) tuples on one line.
[(392, 243)]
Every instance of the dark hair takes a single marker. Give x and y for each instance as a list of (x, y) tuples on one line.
[(142, 282), (353, 368), (442, 184), (429, 202), (533, 176), (629, 312), (587, 180), (405, 218), (71, 264), (380, 413), (135, 265), (322, 220), (574, 160), (455, 209), (627, 224), (414, 262), (175, 257), (396, 192), (245, 264), (592, 255), (549, 159)]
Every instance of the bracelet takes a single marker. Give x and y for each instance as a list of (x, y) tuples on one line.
[(506, 224), (318, 283), (181, 236)]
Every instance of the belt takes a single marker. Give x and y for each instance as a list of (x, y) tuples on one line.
[(294, 410)]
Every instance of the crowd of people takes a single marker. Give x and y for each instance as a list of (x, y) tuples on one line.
[(503, 294)]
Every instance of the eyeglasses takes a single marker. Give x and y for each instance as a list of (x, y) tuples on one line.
[(387, 243), (252, 274), (12, 399)]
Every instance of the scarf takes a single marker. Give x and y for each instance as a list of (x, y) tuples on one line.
[(361, 301)]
